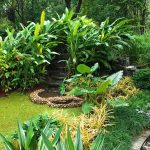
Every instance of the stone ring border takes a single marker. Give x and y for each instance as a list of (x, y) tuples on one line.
[(34, 96)]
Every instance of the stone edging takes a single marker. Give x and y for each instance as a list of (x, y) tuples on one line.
[(138, 142), (57, 102)]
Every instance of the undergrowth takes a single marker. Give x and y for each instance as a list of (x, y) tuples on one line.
[(128, 123)]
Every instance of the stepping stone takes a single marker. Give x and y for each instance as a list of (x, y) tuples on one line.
[(57, 77)]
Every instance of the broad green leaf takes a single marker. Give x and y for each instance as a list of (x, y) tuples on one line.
[(29, 135), (87, 107), (47, 132), (60, 145), (98, 143), (82, 68), (118, 103), (47, 142), (95, 67), (78, 140), (73, 78), (75, 91), (21, 136), (102, 89), (7, 74), (42, 18), (33, 143), (68, 141), (8, 145), (57, 136), (71, 13), (115, 78)]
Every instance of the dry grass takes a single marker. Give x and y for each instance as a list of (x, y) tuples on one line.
[(124, 89), (90, 124)]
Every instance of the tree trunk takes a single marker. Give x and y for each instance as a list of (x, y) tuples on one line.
[(68, 4), (143, 19), (22, 11), (11, 14), (32, 7), (78, 6)]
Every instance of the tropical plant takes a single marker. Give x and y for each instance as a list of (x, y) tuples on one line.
[(25, 55), (123, 90), (141, 78), (93, 88), (139, 52), (128, 124), (27, 140), (80, 34), (4, 24), (89, 43), (118, 9), (113, 38), (76, 144), (90, 123), (38, 123)]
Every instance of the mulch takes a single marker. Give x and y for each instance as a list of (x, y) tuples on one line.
[(2, 93)]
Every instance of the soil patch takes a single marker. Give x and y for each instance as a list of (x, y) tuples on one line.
[(2, 93)]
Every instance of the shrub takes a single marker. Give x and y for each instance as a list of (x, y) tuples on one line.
[(4, 24), (139, 51), (128, 124), (50, 140), (93, 89), (25, 55), (142, 78), (140, 101), (88, 42), (123, 90), (90, 124), (38, 124)]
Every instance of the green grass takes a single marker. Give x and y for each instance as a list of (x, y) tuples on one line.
[(17, 106)]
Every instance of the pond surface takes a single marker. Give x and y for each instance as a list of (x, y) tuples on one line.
[(17, 106)]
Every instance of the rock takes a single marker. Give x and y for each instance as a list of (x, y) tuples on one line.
[(139, 141)]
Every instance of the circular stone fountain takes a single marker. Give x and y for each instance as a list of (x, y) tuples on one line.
[(51, 98)]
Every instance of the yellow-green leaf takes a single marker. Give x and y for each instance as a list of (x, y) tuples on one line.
[(37, 30), (39, 46), (42, 18)]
